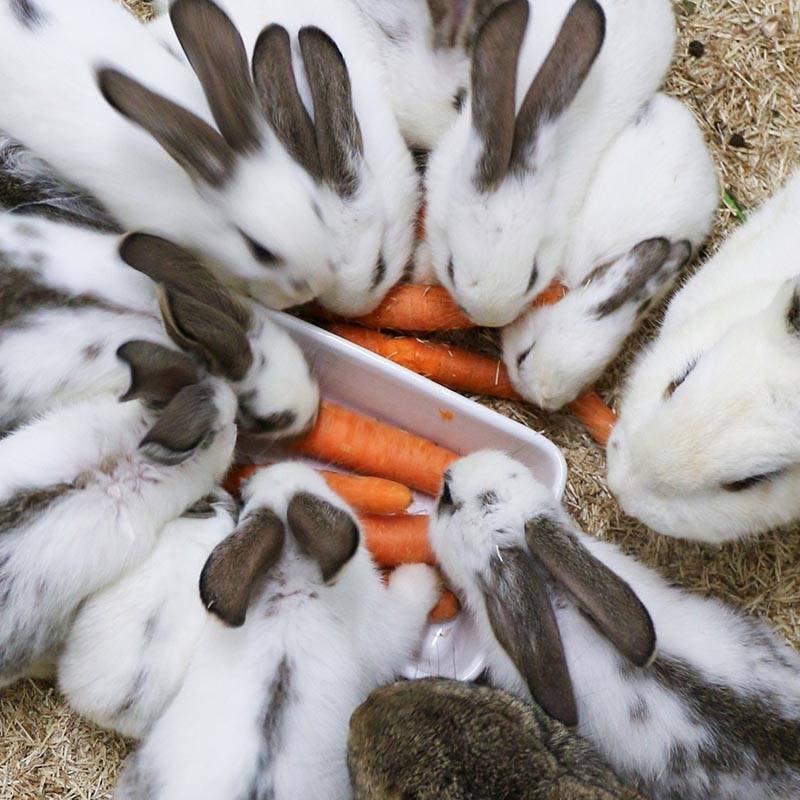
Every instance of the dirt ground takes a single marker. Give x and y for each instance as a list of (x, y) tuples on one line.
[(743, 83)]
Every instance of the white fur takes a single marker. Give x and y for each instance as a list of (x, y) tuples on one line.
[(321, 648), (130, 645), (43, 357), (735, 415), (114, 504), (494, 239), (52, 105), (720, 646), (656, 180)]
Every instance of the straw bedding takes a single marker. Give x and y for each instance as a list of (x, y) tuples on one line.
[(745, 89)]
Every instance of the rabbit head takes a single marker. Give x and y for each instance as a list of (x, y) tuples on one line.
[(235, 340), (275, 241), (708, 442), (503, 541), (491, 178)]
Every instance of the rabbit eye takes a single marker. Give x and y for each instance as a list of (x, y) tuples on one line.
[(260, 253), (451, 272), (670, 390), (749, 482), (534, 277)]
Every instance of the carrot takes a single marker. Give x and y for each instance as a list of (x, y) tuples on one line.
[(459, 369), (397, 540), (551, 295), (365, 445), (446, 609), (598, 418), (412, 307), (370, 495)]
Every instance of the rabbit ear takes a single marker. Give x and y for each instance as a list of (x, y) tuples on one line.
[(157, 373), (524, 624), (494, 81), (217, 54), (337, 130), (447, 17), (793, 309), (167, 263), (640, 276), (185, 425), (560, 77), (211, 335), (237, 563), (604, 597), (195, 145), (324, 532), (280, 98)]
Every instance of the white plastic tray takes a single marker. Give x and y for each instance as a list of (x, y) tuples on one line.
[(359, 379)]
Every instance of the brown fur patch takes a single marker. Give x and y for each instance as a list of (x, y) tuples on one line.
[(24, 506), (157, 373)]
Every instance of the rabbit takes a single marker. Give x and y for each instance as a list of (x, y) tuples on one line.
[(130, 644), (135, 128), (506, 182), (436, 739), (706, 446), (713, 713), (631, 240), (97, 296), (85, 491), (304, 630)]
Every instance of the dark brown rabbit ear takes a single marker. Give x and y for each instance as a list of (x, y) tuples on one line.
[(217, 54), (280, 100), (157, 373), (604, 597), (474, 14), (324, 532), (167, 263), (195, 145), (237, 563), (560, 77), (524, 624), (447, 17), (641, 275), (213, 336), (185, 424), (338, 133), (494, 82)]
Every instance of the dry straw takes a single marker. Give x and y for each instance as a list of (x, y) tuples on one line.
[(738, 68)]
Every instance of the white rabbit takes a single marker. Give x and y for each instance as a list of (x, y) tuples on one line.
[(552, 85), (264, 708), (231, 192), (130, 644), (77, 320), (650, 205), (708, 443), (84, 493), (714, 714)]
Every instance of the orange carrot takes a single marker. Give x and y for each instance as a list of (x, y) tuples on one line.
[(365, 445), (598, 418), (397, 540), (551, 295), (455, 367), (370, 495), (411, 307), (446, 609)]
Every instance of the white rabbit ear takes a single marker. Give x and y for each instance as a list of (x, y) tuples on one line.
[(560, 77), (237, 564), (494, 82), (217, 54), (280, 99), (604, 597), (323, 531), (213, 336), (196, 146), (640, 276), (167, 263), (336, 126), (186, 424), (157, 373), (524, 624)]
